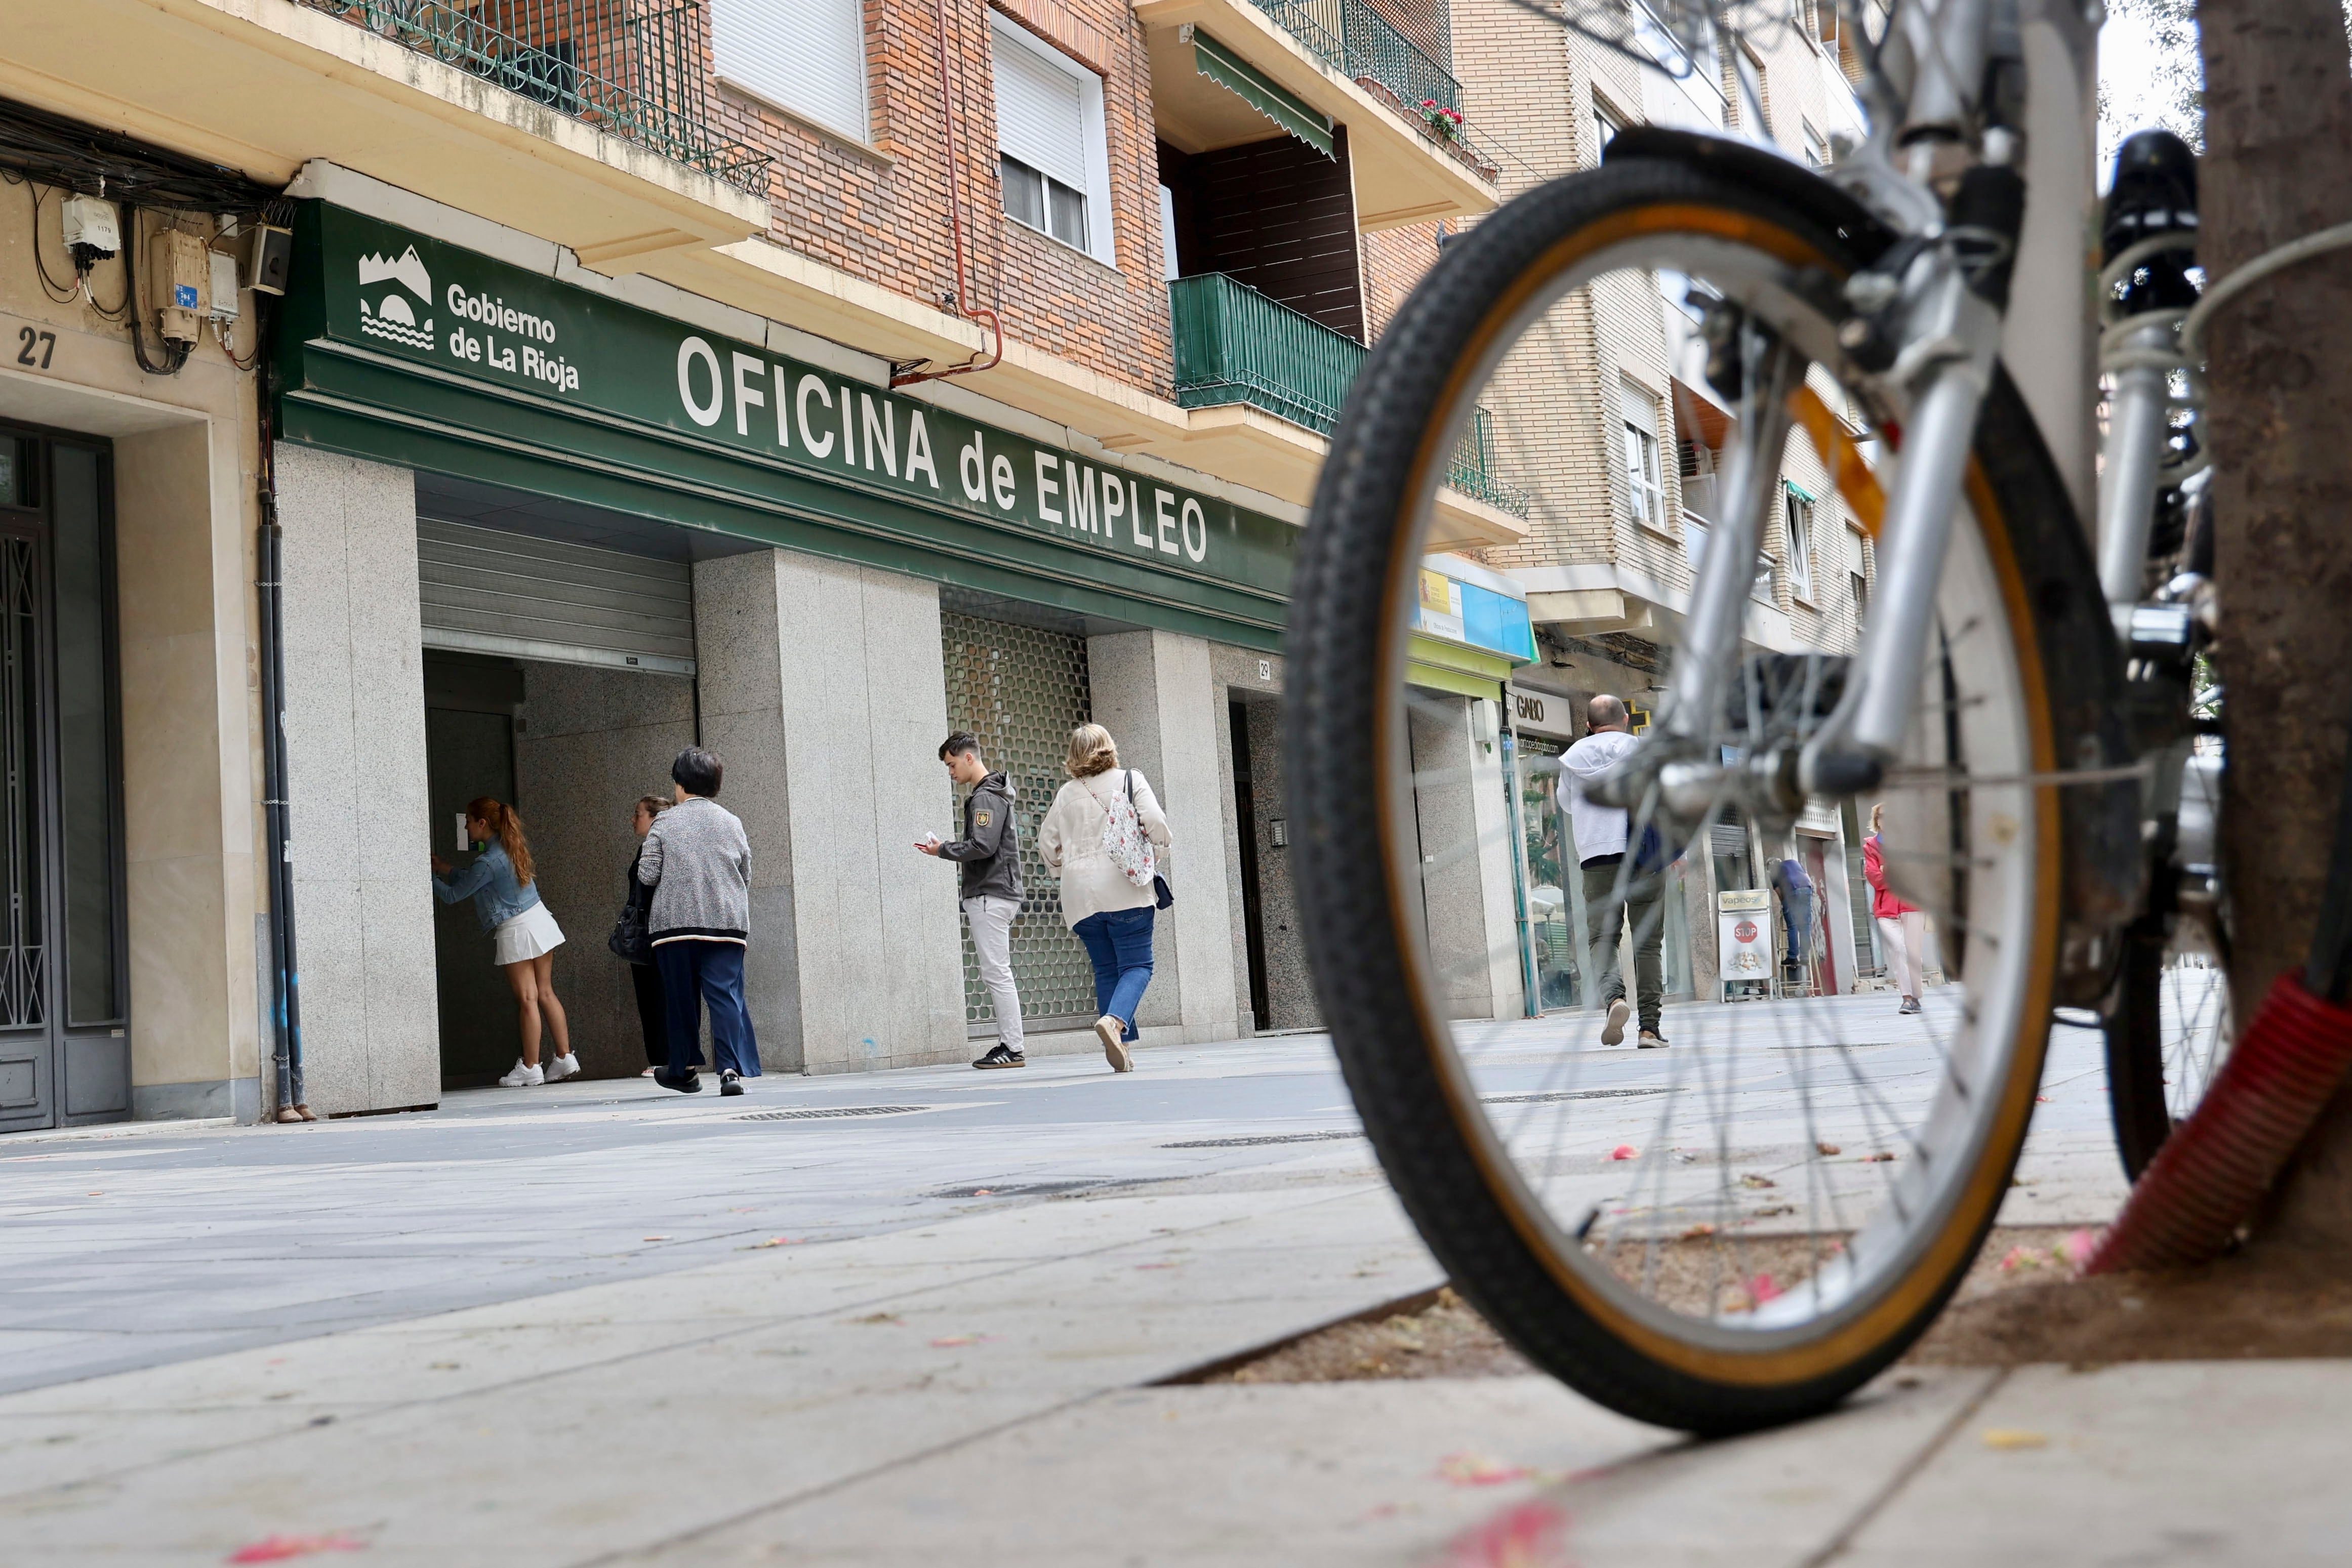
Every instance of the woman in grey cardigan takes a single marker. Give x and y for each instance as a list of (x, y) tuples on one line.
[(699, 863)]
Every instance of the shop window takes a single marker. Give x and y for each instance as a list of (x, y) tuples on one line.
[(808, 58), (1050, 141)]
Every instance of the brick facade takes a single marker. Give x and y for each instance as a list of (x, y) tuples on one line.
[(878, 211)]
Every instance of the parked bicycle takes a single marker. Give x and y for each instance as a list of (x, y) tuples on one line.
[(1806, 1182)]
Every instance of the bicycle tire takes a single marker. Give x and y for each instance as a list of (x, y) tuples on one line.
[(1387, 1028)]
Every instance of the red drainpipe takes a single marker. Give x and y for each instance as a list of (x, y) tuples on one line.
[(955, 222)]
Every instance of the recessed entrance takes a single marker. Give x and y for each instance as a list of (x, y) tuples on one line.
[(65, 1054)]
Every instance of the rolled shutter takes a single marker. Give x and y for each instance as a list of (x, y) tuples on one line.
[(1040, 111), (484, 591), (808, 55)]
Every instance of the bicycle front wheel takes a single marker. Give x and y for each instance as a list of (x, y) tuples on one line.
[(1739, 1227)]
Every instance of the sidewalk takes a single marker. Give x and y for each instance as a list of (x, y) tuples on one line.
[(962, 1367)]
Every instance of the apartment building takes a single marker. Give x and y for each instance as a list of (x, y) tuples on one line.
[(406, 403), (1605, 419)]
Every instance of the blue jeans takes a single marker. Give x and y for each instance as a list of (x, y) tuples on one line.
[(698, 974), (1119, 943)]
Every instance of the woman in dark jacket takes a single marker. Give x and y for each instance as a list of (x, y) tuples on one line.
[(652, 1018)]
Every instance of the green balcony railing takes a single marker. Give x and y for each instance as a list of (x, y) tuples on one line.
[(1235, 345), (638, 69), (1472, 469), (1356, 41)]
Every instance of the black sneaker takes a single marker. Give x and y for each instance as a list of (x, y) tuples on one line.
[(687, 1082), (1002, 1056), (730, 1082)]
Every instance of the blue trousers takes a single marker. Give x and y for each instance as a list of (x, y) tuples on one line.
[(695, 975), (1119, 943)]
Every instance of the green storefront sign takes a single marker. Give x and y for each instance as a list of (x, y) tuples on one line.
[(408, 349)]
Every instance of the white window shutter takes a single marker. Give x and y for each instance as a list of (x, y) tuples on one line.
[(807, 55), (1040, 112)]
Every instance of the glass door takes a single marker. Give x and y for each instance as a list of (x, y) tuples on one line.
[(64, 1052)]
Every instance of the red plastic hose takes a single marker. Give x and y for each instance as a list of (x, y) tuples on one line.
[(2211, 1173)]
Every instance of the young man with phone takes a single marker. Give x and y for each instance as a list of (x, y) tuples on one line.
[(989, 854)]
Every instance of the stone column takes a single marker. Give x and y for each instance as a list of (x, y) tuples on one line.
[(1155, 693), (1465, 849), (824, 691), (183, 579), (355, 753)]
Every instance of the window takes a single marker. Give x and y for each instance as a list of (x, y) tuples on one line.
[(1798, 508), (1049, 132), (1606, 124), (808, 56), (1645, 490), (1858, 586), (1817, 146)]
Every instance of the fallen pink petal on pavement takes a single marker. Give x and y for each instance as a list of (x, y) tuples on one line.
[(278, 1548), (1528, 1536), (1621, 1151)]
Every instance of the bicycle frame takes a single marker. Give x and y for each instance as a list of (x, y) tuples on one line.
[(1955, 86)]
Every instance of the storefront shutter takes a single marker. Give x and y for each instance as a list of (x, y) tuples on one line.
[(1040, 111), (808, 56), (484, 591)]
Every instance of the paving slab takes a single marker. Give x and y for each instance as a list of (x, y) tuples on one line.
[(2151, 1464)]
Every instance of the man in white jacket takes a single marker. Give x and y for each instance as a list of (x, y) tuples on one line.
[(1613, 890)]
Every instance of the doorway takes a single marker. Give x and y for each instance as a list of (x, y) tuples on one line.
[(470, 707), (65, 1050)]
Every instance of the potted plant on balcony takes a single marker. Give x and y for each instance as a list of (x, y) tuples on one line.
[(1444, 123)]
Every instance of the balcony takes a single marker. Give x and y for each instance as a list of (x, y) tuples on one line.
[(1343, 62), (1233, 345), (631, 68), (575, 120), (1472, 469)]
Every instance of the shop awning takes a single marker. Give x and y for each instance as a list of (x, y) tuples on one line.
[(1221, 66)]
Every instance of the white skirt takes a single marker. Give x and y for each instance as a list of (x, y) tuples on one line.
[(527, 936)]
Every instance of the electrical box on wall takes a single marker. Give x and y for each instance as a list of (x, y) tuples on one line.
[(220, 290), (92, 225), (268, 259), (179, 271)]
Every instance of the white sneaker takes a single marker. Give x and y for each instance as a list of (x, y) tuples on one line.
[(562, 1067), (1614, 1029), (523, 1077)]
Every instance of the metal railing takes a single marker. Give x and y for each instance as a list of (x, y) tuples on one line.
[(638, 69), (1236, 345), (1358, 42), (1472, 469)]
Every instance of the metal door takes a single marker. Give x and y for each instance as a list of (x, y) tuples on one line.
[(65, 1050)]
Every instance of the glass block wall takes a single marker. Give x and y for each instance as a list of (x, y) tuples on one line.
[(1022, 691)]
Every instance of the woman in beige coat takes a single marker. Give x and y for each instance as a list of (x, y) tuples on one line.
[(1111, 913)]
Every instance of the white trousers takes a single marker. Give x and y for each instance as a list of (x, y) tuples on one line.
[(991, 920), (1906, 941)]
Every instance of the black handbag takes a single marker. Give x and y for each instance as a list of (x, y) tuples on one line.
[(630, 940), (1162, 895)]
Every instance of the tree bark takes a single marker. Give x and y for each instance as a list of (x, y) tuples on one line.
[(2278, 165)]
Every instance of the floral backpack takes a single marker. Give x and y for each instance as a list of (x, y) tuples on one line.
[(1124, 839)]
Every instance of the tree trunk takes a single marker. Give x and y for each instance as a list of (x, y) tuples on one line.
[(2278, 165)]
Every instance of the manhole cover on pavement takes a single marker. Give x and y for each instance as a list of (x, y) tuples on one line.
[(815, 1113), (1270, 1138)]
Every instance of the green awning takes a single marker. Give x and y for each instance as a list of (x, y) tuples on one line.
[(1222, 67)]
